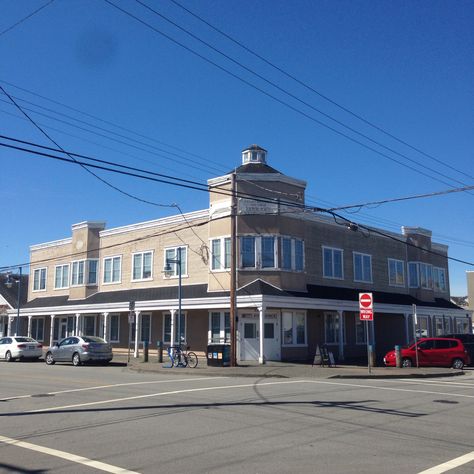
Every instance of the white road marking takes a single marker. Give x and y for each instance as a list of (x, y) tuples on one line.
[(428, 382), (453, 464), (98, 387), (68, 456), (160, 394), (227, 387)]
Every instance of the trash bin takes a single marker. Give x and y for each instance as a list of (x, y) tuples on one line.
[(218, 355)]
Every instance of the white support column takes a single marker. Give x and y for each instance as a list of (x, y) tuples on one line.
[(78, 321), (9, 327), (173, 325), (136, 353), (341, 335), (407, 331), (106, 318), (29, 325), (51, 330), (261, 313)]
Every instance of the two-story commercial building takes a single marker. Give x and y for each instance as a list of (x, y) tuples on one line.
[(298, 275)]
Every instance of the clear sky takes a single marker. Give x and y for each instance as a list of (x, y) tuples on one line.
[(406, 66)]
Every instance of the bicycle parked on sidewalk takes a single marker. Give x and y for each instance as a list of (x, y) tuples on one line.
[(182, 358)]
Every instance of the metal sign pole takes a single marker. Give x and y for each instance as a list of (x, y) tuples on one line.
[(415, 329), (368, 345)]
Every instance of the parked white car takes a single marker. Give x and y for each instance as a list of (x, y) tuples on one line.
[(20, 347)]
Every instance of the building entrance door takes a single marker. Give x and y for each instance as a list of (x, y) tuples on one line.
[(62, 328), (249, 337)]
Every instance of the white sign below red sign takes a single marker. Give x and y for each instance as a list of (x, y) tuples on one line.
[(366, 303)]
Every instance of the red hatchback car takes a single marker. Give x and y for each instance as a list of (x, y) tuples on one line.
[(432, 351)]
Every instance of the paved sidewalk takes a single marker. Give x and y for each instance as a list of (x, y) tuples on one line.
[(289, 370)]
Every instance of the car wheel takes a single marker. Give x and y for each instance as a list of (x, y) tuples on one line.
[(407, 362), (458, 364), (8, 357), (76, 359), (49, 359)]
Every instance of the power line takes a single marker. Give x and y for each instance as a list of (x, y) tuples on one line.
[(125, 193), (286, 92), (19, 22), (315, 91), (406, 198)]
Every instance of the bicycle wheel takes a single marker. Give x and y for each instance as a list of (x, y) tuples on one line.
[(192, 360), (176, 360)]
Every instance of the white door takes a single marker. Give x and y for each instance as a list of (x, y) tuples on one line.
[(249, 337)]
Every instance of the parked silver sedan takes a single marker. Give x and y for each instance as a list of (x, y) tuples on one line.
[(20, 347), (79, 349)]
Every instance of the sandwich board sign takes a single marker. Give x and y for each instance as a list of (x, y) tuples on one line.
[(366, 307)]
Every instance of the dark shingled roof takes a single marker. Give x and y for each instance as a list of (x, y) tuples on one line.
[(258, 287), (258, 168), (11, 294)]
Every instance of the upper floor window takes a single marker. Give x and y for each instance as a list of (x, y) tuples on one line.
[(362, 267), (77, 273), (396, 272), (268, 252), (332, 263), (61, 276), (220, 249), (248, 252), (439, 279), (142, 265), (92, 270), (112, 269), (172, 254), (420, 275), (292, 254), (39, 279)]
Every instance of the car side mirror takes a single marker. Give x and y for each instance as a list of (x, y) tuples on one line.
[(55, 344)]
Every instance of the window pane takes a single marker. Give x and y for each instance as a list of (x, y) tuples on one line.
[(183, 260), (145, 332), (215, 327), (116, 269), (300, 328), (286, 253), (299, 255), (58, 277), (167, 328), (327, 257), (107, 270), (80, 276), (337, 263), (227, 249), (216, 254), (367, 268), (269, 331), (250, 331), (114, 327), (413, 274), (43, 279), (248, 252), (137, 266), (92, 273), (287, 327), (357, 267), (268, 252), (227, 326)]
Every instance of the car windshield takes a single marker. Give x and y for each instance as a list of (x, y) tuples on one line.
[(24, 339), (94, 339)]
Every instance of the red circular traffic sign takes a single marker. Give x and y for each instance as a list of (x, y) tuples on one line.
[(365, 300)]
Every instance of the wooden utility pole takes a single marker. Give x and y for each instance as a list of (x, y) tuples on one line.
[(233, 275)]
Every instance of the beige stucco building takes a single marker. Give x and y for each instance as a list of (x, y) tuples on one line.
[(298, 276)]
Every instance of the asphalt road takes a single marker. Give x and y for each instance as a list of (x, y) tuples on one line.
[(90, 419)]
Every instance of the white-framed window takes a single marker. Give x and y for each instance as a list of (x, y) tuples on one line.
[(92, 271), (332, 322), (39, 279), (145, 329), (423, 326), (77, 272), (292, 254), (426, 276), (248, 253), (413, 275), (333, 263), (171, 253), (362, 267), (142, 264), (61, 276), (89, 325), (112, 269), (461, 326), (293, 328), (114, 328), (37, 329), (439, 279), (220, 253), (219, 327), (167, 328), (360, 330), (396, 272)]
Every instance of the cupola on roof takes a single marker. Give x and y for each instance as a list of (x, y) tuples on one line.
[(254, 154)]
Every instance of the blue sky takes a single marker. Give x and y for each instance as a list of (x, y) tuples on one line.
[(407, 67)]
